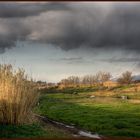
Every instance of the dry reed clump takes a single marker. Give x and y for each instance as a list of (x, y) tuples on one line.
[(18, 95)]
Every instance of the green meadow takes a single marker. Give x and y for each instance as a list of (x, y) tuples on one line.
[(106, 116)]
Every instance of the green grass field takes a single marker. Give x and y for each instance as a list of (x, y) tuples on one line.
[(32, 131), (21, 131), (104, 115)]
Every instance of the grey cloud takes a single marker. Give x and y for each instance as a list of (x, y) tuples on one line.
[(69, 59), (17, 9), (94, 27), (72, 60), (10, 32), (138, 65), (70, 26), (118, 60), (13, 16)]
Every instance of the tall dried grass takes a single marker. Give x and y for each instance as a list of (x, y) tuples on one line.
[(18, 95)]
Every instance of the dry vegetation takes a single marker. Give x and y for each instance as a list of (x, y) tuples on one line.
[(99, 79), (17, 95)]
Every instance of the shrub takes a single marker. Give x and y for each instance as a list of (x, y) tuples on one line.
[(18, 95)]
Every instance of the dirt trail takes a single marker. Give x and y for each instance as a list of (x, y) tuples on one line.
[(72, 129)]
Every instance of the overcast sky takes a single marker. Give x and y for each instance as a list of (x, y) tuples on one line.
[(54, 40)]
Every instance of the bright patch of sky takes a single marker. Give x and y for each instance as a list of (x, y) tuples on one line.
[(50, 63)]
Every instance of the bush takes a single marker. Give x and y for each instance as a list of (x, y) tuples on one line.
[(18, 95)]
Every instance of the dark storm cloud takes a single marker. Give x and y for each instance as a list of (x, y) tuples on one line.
[(12, 15), (120, 29), (70, 26), (95, 26), (11, 10), (10, 32)]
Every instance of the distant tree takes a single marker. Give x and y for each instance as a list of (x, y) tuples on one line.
[(64, 82), (103, 77), (94, 79), (72, 80), (91, 80), (86, 80), (39, 82), (76, 80), (125, 78)]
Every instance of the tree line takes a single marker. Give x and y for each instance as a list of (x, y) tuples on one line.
[(97, 79)]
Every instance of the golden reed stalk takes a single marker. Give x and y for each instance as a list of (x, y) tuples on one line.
[(18, 95)]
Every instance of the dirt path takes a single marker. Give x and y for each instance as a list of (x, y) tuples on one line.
[(72, 129)]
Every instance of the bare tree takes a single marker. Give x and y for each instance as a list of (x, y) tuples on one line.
[(103, 77), (94, 79), (72, 81), (64, 82), (125, 78), (76, 80), (86, 80)]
